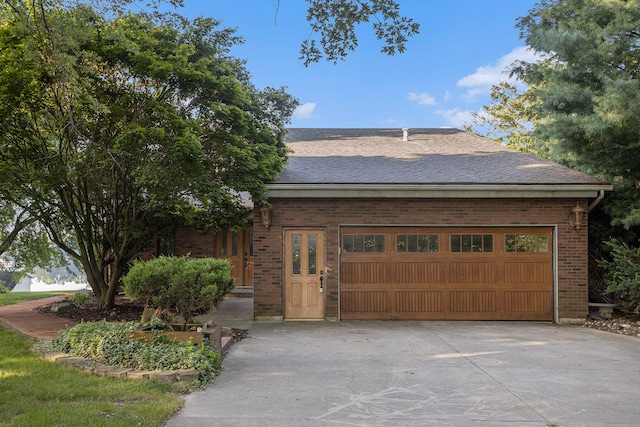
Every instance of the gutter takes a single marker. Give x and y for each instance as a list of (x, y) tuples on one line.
[(596, 201), (437, 190)]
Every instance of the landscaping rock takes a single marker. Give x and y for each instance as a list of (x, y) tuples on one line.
[(59, 307)]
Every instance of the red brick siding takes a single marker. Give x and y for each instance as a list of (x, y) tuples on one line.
[(195, 243), (329, 213)]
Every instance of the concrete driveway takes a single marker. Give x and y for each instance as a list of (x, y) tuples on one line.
[(421, 374)]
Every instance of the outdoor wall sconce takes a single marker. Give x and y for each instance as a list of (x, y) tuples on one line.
[(577, 216), (265, 211)]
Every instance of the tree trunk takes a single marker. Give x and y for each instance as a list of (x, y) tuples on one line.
[(103, 288)]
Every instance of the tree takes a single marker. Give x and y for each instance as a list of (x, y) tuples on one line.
[(509, 119), (335, 22), (588, 91), (115, 126)]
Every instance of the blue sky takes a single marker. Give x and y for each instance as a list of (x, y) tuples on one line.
[(463, 48)]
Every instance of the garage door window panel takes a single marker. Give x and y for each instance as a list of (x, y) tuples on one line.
[(416, 243), (468, 243), (526, 243), (360, 243)]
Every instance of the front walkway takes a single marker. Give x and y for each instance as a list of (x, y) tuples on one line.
[(23, 318)]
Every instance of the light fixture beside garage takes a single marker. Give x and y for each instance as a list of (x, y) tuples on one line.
[(577, 216), (265, 211)]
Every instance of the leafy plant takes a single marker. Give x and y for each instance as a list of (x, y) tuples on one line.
[(107, 342), (3, 289), (184, 286), (80, 298), (623, 272)]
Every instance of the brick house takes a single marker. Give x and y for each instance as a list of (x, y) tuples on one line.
[(416, 224)]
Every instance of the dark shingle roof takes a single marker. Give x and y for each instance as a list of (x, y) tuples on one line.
[(430, 156)]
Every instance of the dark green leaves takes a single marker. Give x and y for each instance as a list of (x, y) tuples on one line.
[(335, 22)]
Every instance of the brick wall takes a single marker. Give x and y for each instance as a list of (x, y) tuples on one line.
[(195, 243), (328, 214)]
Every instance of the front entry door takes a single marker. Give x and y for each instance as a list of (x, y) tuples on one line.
[(237, 247), (304, 264)]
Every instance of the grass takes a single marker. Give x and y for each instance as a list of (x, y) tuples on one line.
[(36, 392), (9, 298)]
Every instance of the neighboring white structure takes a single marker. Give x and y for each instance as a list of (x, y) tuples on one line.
[(24, 285)]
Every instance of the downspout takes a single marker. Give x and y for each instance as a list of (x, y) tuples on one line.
[(596, 201)]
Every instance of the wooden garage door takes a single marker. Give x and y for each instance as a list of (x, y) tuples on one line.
[(433, 273)]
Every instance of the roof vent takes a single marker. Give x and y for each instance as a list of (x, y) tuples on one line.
[(405, 134)]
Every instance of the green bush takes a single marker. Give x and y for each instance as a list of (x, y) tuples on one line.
[(623, 272), (184, 286), (105, 341), (80, 297), (3, 289)]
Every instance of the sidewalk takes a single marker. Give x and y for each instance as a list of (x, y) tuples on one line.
[(22, 318)]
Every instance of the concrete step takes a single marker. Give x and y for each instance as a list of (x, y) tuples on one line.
[(241, 292)]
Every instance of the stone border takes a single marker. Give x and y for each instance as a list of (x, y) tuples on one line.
[(104, 370)]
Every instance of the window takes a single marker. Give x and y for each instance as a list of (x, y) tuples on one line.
[(223, 243), (296, 242), (359, 243), (417, 243), (312, 248), (472, 243), (234, 243), (529, 243)]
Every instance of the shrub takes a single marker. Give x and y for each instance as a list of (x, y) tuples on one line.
[(106, 342), (3, 289), (184, 286), (80, 298), (623, 272)]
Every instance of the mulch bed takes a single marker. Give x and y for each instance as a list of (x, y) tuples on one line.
[(126, 310)]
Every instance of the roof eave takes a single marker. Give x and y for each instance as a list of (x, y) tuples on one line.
[(433, 191)]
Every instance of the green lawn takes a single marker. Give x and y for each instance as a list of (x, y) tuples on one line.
[(9, 298), (35, 392)]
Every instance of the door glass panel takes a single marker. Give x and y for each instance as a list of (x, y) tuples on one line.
[(433, 243), (234, 243), (466, 243), (455, 243), (369, 244), (543, 243), (487, 241), (358, 243), (295, 253), (412, 243), (223, 243), (347, 244), (312, 255), (250, 242), (401, 243)]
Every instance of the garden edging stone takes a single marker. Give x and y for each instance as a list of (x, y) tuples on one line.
[(103, 370)]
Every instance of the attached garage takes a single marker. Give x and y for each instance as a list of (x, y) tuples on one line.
[(425, 224), (438, 273)]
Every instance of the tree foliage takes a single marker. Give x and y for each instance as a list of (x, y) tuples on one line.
[(588, 91), (509, 119), (335, 23), (623, 272), (115, 125)]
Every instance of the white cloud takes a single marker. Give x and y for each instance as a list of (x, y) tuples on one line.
[(480, 82), (305, 111), (456, 117), (421, 98)]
